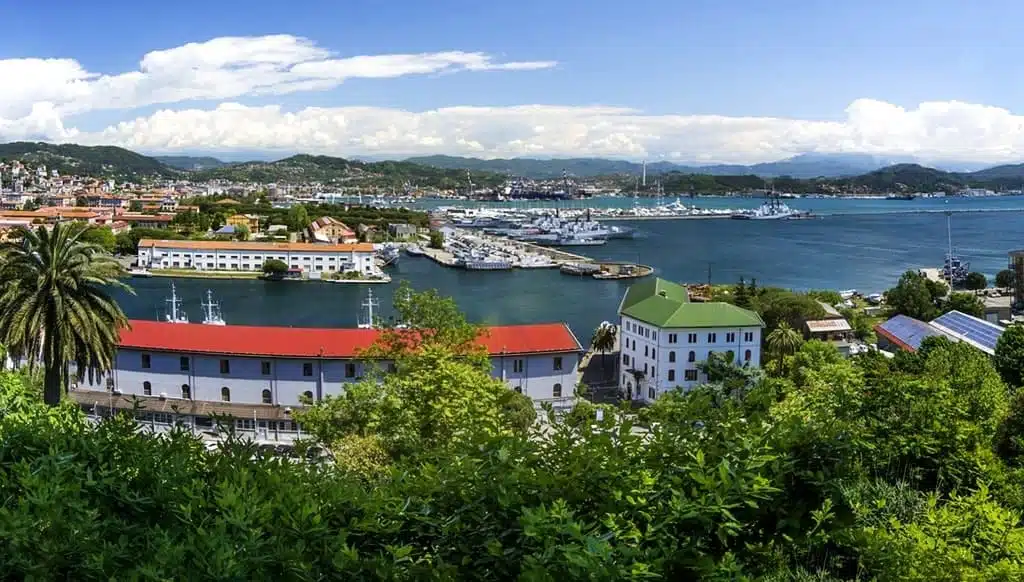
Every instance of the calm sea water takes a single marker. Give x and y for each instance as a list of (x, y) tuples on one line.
[(856, 244)]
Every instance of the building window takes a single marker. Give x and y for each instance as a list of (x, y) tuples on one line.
[(712, 338), (746, 356), (265, 368), (225, 366), (645, 368), (266, 397), (517, 366), (625, 359), (671, 375), (307, 369), (748, 336), (672, 356), (308, 396), (690, 375), (183, 363), (730, 337), (672, 338), (147, 388), (692, 357), (350, 370), (650, 393), (225, 394), (691, 338), (146, 362), (654, 335), (654, 353), (186, 392), (558, 363), (519, 389), (645, 351), (556, 391)]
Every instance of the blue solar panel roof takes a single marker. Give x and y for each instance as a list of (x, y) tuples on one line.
[(908, 331), (970, 329)]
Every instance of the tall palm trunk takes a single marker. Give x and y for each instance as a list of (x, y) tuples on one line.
[(54, 371)]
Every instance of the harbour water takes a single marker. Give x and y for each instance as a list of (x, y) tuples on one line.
[(856, 244)]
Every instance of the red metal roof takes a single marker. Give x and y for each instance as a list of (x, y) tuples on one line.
[(299, 342)]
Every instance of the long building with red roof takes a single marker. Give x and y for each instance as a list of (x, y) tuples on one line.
[(185, 372)]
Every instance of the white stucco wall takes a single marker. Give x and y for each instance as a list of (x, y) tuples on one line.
[(649, 348), (287, 382)]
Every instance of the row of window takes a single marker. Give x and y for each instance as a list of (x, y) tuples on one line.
[(556, 390), (225, 393), (691, 338), (691, 357), (641, 330), (518, 365), (266, 368)]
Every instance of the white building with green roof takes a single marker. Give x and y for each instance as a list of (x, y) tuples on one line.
[(664, 337)]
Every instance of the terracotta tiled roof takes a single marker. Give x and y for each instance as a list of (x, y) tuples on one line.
[(214, 245), (293, 342)]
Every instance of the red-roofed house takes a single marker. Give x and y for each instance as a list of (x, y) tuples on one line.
[(185, 372)]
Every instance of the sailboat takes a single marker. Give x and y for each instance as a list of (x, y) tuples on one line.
[(175, 314), (211, 311)]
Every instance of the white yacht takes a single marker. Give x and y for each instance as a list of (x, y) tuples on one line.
[(175, 314), (211, 311)]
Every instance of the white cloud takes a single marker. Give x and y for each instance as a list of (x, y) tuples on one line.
[(52, 95), (221, 68), (932, 131)]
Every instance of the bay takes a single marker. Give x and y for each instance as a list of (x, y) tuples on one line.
[(855, 244)]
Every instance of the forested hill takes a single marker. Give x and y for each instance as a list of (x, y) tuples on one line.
[(120, 163)]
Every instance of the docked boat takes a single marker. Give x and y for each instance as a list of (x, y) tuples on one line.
[(772, 209), (486, 265), (175, 314), (580, 269), (388, 255), (577, 241), (415, 250), (954, 268), (139, 272), (901, 197), (211, 311)]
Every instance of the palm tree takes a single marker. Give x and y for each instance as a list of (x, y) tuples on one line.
[(604, 340), (55, 307), (784, 340)]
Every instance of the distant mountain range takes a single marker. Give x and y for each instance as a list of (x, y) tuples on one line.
[(190, 162), (805, 173), (801, 166)]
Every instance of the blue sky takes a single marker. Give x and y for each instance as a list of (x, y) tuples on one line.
[(804, 60)]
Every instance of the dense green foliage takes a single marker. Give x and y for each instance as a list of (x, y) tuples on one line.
[(1009, 357), (101, 236), (100, 161), (975, 281), (857, 469), (1007, 279), (275, 267), (55, 306), (346, 173)]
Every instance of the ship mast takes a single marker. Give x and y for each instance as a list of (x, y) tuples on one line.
[(174, 301), (949, 242)]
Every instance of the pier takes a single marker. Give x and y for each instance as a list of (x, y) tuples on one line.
[(518, 254)]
